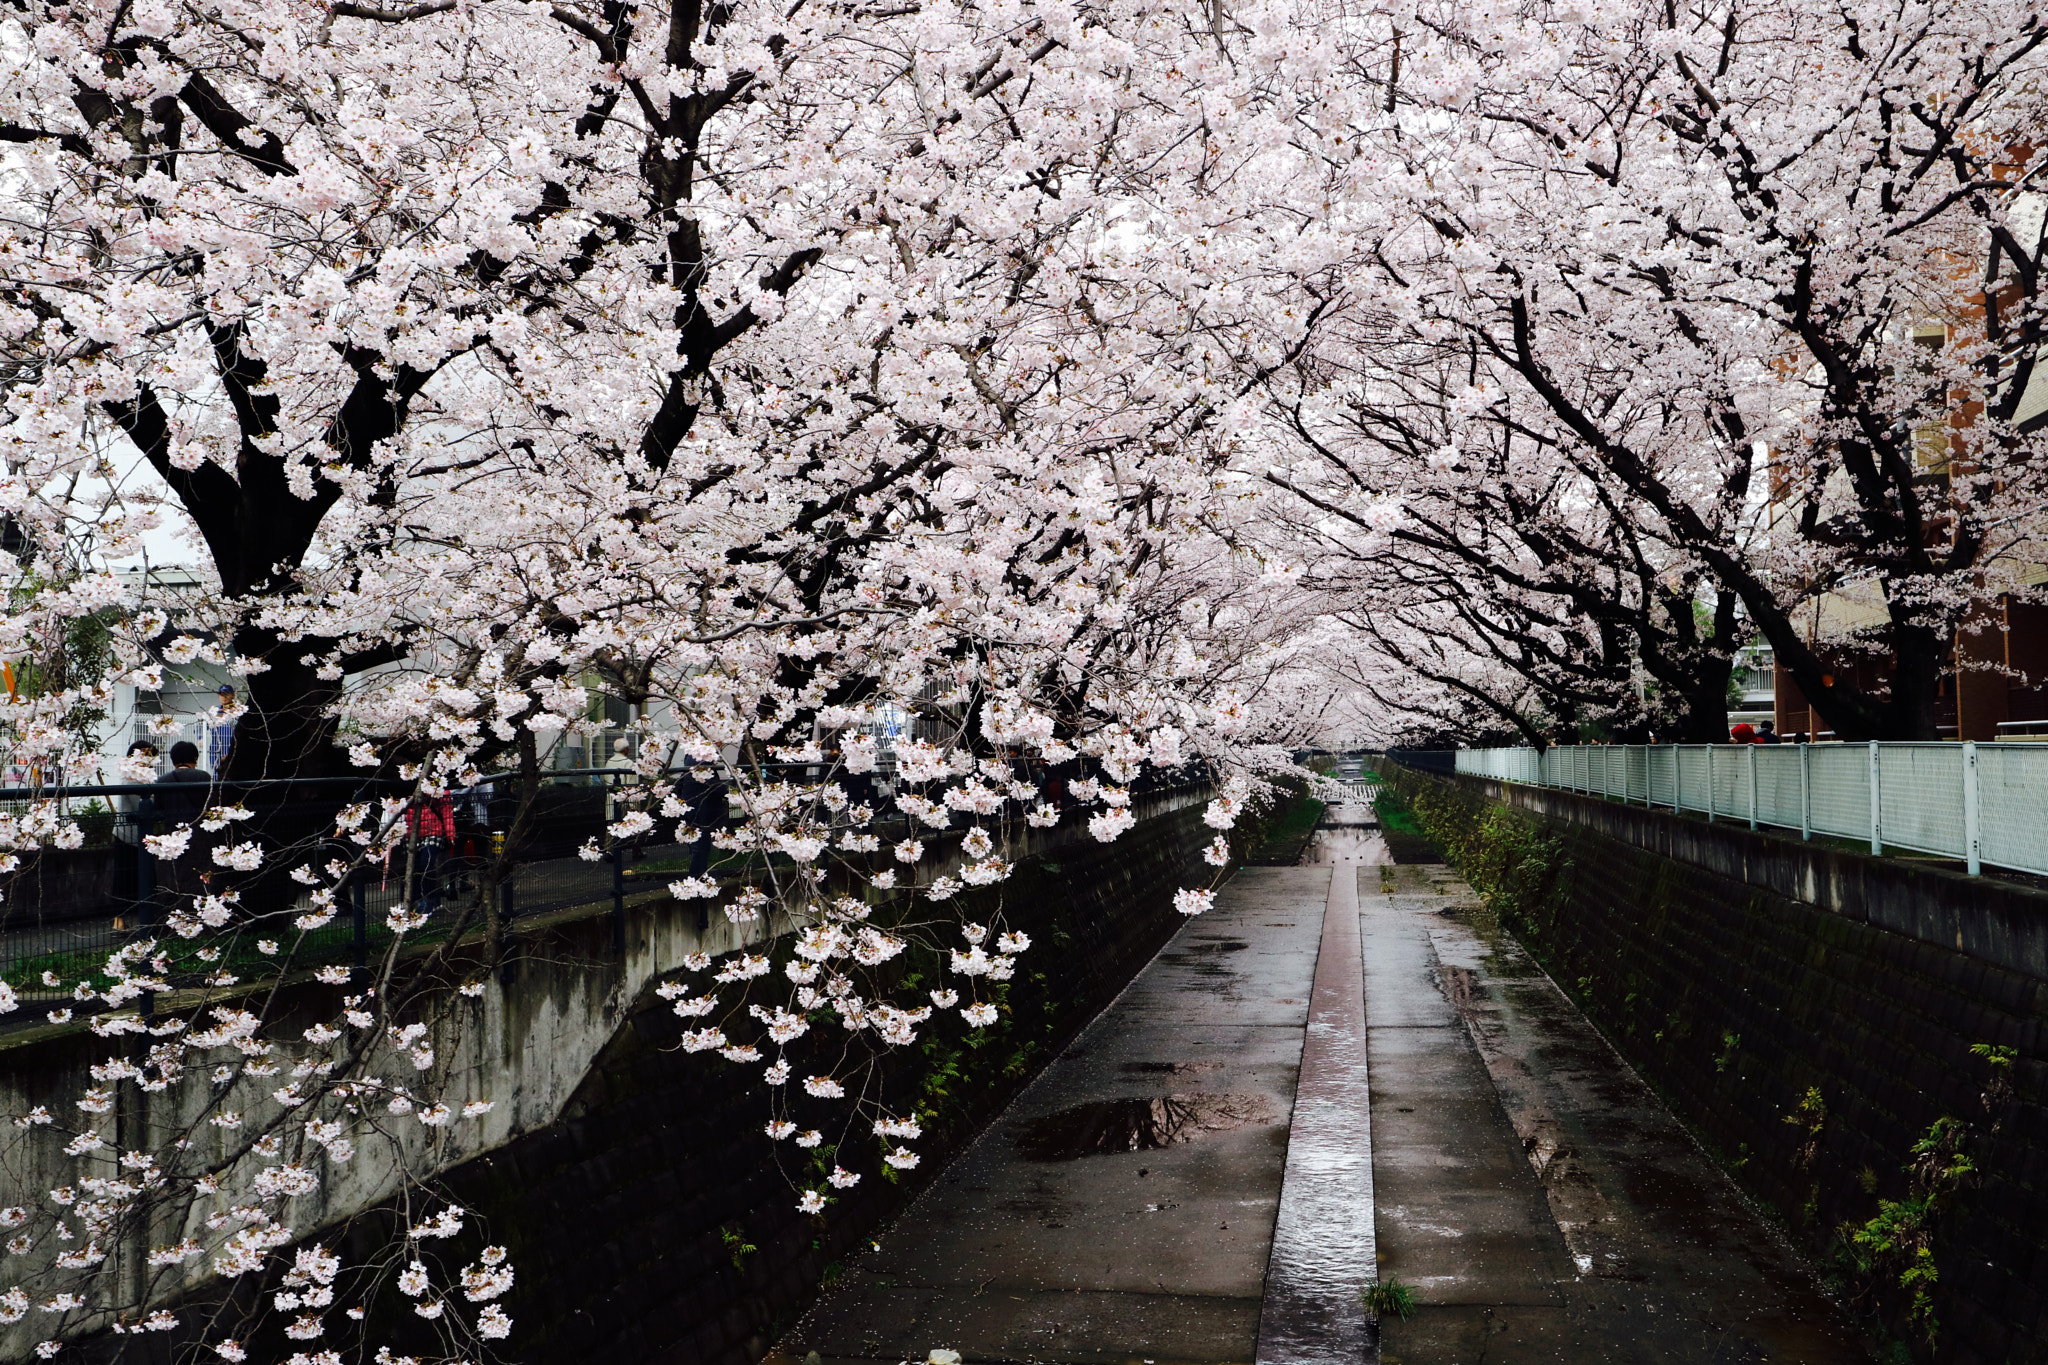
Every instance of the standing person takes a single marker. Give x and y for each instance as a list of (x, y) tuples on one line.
[(220, 729), (141, 758), (476, 803), (183, 802), (702, 788), (431, 821)]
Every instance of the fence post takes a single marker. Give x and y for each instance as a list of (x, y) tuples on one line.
[(1806, 790), (359, 923), (1750, 752), (1712, 790), (1677, 779), (508, 910), (619, 898), (1972, 817), (1876, 805), (145, 861)]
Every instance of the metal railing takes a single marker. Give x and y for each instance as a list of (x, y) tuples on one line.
[(1980, 803), (64, 910)]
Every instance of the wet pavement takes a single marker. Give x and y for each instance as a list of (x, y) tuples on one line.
[(1164, 1195), (1123, 1207), (1539, 1199)]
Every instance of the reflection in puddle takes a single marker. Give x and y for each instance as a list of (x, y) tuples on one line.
[(1138, 1125), (1353, 843)]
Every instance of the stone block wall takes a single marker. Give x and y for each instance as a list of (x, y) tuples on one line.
[(1736, 1000)]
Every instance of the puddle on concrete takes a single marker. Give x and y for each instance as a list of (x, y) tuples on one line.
[(1346, 834), (1138, 1125), (1218, 945)]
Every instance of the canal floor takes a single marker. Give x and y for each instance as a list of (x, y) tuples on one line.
[(1342, 1067)]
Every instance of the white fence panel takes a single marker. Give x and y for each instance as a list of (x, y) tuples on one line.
[(1731, 782), (1841, 789), (2012, 801), (1663, 773), (1605, 779), (1921, 791), (1691, 762), (1778, 796)]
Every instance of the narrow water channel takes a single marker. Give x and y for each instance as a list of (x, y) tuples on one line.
[(1347, 833)]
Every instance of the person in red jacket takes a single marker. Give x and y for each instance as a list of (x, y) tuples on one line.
[(1745, 733), (431, 822)]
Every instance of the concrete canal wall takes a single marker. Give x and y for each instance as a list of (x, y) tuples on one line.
[(652, 1222), (1812, 1014), (632, 1181)]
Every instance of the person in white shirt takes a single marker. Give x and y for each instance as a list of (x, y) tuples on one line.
[(219, 725)]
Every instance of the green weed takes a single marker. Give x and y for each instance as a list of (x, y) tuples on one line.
[(737, 1247), (1388, 1298)]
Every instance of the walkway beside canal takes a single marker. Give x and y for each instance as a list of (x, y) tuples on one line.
[(1343, 1068)]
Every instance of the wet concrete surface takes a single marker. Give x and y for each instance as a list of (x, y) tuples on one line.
[(1541, 1201), (1456, 1124), (1462, 1218), (1045, 1242)]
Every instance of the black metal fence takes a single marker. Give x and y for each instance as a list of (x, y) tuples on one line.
[(1426, 760), (66, 910)]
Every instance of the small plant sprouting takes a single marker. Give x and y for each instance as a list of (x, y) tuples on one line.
[(737, 1247), (1388, 1297), (1899, 1242), (1730, 1042), (1810, 1117), (1998, 1090)]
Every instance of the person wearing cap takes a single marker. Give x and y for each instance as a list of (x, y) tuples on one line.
[(219, 725)]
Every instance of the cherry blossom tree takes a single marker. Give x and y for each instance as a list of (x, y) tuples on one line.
[(786, 369), (1763, 277)]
